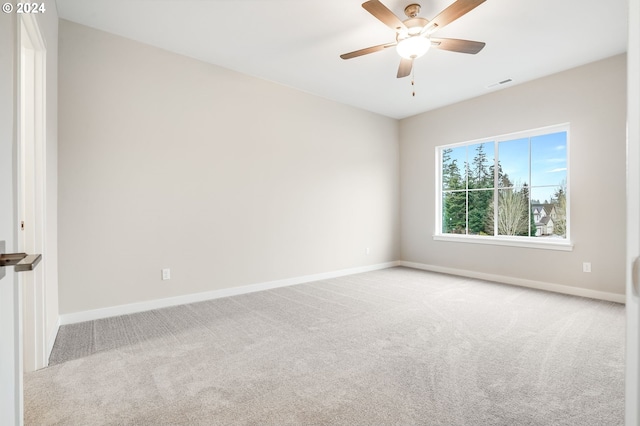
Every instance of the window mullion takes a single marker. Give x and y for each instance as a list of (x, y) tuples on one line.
[(466, 185), (496, 183), (530, 187)]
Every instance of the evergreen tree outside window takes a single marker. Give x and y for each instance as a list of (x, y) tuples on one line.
[(509, 187)]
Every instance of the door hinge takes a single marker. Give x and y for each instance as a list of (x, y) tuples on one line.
[(635, 276)]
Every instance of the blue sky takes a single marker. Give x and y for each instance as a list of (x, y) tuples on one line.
[(548, 161)]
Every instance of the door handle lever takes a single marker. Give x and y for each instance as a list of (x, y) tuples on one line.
[(20, 261)]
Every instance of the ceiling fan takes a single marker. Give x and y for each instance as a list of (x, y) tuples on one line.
[(413, 36)]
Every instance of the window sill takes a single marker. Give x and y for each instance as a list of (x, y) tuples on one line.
[(544, 244)]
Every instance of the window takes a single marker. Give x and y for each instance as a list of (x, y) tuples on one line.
[(512, 189)]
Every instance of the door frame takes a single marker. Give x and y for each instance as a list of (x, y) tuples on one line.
[(31, 188), (632, 376)]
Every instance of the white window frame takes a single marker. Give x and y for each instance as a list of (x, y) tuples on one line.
[(505, 240)]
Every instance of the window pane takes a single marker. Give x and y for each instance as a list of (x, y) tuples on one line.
[(481, 164), (480, 207), (549, 159), (549, 210), (513, 163), (529, 186), (454, 212), (453, 160), (513, 211)]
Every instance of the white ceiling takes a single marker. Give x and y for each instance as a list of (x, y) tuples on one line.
[(298, 42)]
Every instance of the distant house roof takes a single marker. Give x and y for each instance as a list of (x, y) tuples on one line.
[(548, 208), (545, 220)]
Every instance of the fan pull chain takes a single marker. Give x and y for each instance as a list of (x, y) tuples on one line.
[(413, 83)]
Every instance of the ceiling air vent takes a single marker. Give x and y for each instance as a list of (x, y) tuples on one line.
[(500, 83)]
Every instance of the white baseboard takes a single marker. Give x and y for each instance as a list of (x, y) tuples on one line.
[(132, 308), (556, 288), (51, 339)]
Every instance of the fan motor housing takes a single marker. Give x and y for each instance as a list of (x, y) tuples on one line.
[(415, 25), (412, 10)]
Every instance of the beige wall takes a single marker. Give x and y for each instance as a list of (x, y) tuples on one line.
[(592, 98), (168, 162)]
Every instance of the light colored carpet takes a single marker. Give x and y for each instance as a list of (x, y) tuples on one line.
[(390, 347)]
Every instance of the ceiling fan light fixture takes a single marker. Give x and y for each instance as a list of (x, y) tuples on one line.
[(413, 47), (413, 35)]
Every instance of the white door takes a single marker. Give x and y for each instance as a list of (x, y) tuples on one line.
[(31, 186), (632, 390), (10, 349)]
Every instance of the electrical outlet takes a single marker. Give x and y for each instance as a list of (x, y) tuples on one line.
[(367, 251), (166, 274), (586, 267)]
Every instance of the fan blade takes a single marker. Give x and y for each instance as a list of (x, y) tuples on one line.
[(383, 14), (457, 45), (405, 67), (451, 13), (366, 51)]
